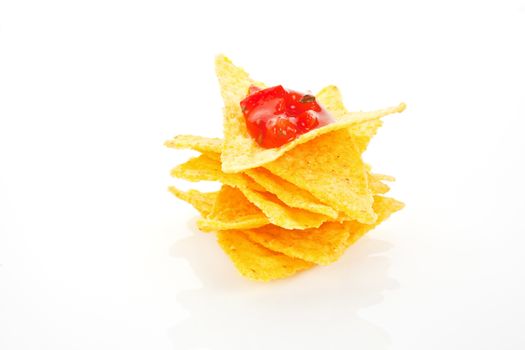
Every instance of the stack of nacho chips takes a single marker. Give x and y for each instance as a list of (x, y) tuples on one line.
[(283, 210)]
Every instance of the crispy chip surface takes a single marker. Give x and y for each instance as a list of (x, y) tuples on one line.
[(202, 201), (382, 177), (240, 151), (232, 210), (330, 97), (277, 212), (282, 215), (197, 143), (256, 262), (376, 186), (322, 245), (290, 194), (207, 167), (331, 169), (325, 244), (384, 207)]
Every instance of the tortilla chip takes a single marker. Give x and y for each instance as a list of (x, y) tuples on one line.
[(197, 143), (280, 214), (330, 97), (331, 169), (202, 201), (207, 167), (384, 207), (290, 194), (256, 262), (240, 151), (202, 169), (382, 177), (325, 244), (322, 245), (232, 211), (376, 186)]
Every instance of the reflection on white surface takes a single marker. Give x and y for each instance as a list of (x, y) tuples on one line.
[(314, 310)]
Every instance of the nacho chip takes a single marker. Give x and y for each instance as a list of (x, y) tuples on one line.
[(382, 177), (322, 245), (330, 97), (232, 211), (325, 244), (290, 194), (376, 186), (199, 169), (256, 262), (207, 167), (197, 143), (384, 207), (202, 201), (331, 169), (240, 151), (280, 214)]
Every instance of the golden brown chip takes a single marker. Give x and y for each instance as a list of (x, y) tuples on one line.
[(202, 201), (282, 215), (382, 177), (330, 97), (207, 167), (240, 151), (232, 211), (325, 244), (384, 207), (197, 143), (376, 186), (199, 169), (290, 194), (331, 169), (256, 262), (322, 245)]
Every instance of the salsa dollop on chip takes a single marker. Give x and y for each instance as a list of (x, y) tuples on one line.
[(276, 116)]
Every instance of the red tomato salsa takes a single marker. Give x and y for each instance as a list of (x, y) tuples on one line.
[(276, 116)]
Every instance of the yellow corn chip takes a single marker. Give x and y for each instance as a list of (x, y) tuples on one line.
[(376, 186), (382, 177), (330, 97), (240, 151), (199, 169), (290, 194), (280, 214), (331, 169), (207, 167), (232, 211), (202, 201), (197, 143), (325, 244), (322, 245), (256, 262), (384, 207)]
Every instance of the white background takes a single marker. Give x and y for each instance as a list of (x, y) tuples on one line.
[(96, 254)]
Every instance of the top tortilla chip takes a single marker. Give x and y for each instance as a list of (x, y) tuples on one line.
[(197, 143), (330, 97), (240, 151)]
